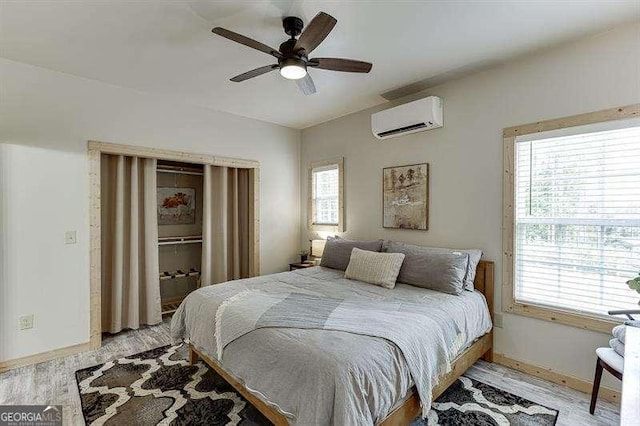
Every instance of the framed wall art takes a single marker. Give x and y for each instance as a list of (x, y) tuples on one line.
[(176, 206), (405, 197)]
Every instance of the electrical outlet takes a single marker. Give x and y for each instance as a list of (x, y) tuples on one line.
[(70, 237), (26, 322), (497, 320)]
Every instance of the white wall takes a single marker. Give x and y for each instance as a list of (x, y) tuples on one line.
[(466, 166), (46, 119)]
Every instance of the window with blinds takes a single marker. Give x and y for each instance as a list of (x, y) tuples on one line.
[(325, 195), (577, 217)]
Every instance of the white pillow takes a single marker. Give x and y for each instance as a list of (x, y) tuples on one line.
[(374, 268)]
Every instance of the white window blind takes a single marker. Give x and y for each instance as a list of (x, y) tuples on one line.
[(325, 195), (577, 218)]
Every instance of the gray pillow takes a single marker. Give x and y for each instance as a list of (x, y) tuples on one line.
[(337, 251), (432, 268), (474, 257)]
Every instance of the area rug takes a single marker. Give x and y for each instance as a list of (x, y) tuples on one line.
[(160, 387), (468, 402)]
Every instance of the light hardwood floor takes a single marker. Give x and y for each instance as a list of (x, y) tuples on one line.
[(53, 382)]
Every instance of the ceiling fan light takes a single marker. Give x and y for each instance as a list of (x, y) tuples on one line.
[(293, 72), (292, 68)]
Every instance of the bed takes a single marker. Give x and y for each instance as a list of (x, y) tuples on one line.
[(349, 377)]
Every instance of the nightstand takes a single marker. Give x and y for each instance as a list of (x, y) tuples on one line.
[(298, 265)]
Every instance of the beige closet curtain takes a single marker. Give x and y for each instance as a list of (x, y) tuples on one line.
[(225, 224), (130, 284)]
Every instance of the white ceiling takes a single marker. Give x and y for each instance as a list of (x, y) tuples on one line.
[(166, 47)]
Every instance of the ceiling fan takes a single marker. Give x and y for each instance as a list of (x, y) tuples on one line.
[(293, 55)]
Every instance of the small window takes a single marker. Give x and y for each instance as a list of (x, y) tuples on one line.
[(325, 196), (576, 217)]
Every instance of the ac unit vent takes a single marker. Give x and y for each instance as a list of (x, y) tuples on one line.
[(416, 116), (402, 129)]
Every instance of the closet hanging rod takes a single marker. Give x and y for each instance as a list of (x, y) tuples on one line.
[(168, 243), (179, 172), (180, 237), (164, 241)]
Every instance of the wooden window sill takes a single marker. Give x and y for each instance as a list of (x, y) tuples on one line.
[(559, 316), (323, 227)]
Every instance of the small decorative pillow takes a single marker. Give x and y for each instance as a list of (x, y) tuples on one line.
[(374, 268)]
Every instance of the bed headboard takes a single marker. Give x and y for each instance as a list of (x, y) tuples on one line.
[(484, 282)]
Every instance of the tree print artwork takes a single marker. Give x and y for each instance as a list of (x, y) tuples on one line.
[(406, 197)]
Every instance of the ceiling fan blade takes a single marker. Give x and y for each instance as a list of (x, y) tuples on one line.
[(337, 64), (254, 73), (317, 30), (306, 85), (239, 38)]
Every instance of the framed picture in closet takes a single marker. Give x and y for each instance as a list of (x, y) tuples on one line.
[(176, 206)]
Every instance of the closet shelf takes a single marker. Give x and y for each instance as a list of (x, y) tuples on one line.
[(187, 239), (169, 275)]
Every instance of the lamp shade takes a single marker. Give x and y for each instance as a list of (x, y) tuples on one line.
[(317, 247)]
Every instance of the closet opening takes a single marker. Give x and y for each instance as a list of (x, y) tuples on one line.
[(179, 231), (163, 224)]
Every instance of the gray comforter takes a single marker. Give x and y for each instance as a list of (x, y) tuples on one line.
[(350, 349)]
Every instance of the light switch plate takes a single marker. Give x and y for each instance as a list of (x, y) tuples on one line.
[(70, 237), (26, 322)]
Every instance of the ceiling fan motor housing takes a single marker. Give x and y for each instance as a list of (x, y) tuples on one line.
[(287, 49), (292, 26), (296, 62)]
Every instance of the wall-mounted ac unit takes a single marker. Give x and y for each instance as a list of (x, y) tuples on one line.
[(416, 116)]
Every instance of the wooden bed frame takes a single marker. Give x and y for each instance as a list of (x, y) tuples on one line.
[(405, 412)]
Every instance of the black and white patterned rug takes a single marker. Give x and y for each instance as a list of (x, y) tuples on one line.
[(160, 387), (468, 402)]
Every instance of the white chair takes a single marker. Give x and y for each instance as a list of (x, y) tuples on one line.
[(608, 359)]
